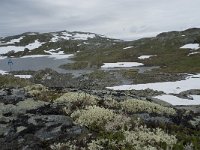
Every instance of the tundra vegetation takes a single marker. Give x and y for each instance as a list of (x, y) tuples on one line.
[(114, 124), (111, 120)]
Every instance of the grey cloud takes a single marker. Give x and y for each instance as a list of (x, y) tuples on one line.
[(126, 19)]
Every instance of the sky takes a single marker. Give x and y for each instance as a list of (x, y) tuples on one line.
[(122, 19)]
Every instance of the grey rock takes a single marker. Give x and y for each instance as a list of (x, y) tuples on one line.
[(53, 125), (12, 96), (4, 129), (2, 93), (50, 120), (146, 117)]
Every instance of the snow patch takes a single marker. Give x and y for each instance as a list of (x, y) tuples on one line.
[(193, 53), (23, 76), (180, 101), (86, 43), (191, 46), (31, 46), (13, 41), (145, 56), (3, 72), (128, 47), (55, 38), (34, 56), (83, 36), (121, 65), (68, 36), (55, 56), (191, 82), (52, 52)]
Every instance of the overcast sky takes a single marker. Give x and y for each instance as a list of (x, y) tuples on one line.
[(124, 19)]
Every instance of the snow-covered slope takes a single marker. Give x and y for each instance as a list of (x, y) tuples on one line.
[(41, 43)]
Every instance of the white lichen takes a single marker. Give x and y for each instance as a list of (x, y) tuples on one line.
[(82, 97), (93, 115), (135, 106), (35, 90), (142, 136)]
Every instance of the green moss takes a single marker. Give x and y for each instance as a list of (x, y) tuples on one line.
[(11, 81), (99, 74), (75, 66), (48, 96), (118, 136), (130, 74)]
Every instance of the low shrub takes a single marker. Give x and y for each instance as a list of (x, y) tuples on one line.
[(93, 116), (136, 106), (144, 138), (36, 89), (82, 97), (74, 100)]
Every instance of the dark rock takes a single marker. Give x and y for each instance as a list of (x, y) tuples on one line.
[(12, 96), (49, 109)]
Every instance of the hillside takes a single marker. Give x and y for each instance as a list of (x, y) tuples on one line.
[(38, 43), (96, 49)]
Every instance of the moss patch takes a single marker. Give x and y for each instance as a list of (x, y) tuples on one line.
[(75, 66)]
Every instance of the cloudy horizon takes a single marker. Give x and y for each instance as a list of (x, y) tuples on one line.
[(122, 19)]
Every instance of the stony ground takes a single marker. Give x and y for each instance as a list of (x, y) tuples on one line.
[(32, 118), (26, 123)]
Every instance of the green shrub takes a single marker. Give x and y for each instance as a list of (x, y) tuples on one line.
[(11, 81), (75, 66)]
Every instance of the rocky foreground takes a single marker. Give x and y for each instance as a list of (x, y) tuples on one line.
[(36, 117)]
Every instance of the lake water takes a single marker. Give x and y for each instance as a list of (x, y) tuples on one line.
[(40, 63), (34, 64)]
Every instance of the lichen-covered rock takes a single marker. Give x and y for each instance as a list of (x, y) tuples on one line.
[(21, 107)]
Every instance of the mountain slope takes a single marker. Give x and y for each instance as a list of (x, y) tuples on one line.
[(169, 50), (166, 49), (38, 43)]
